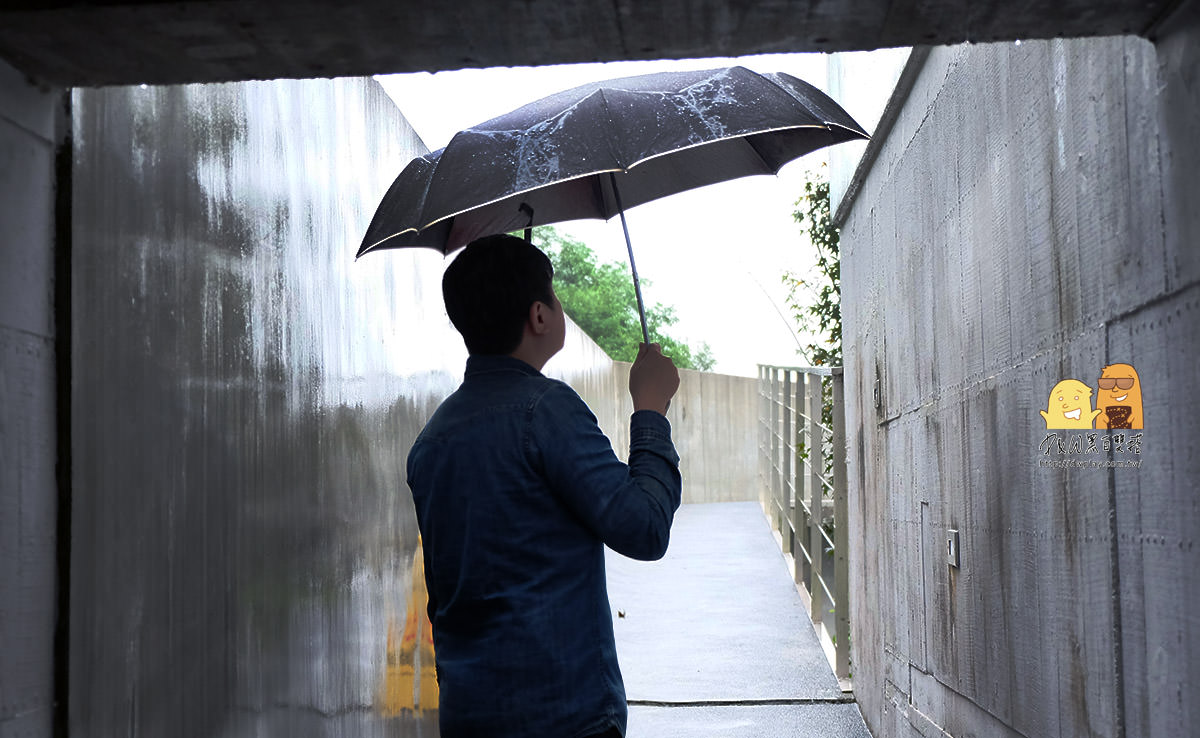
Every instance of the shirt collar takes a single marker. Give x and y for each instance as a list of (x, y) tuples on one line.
[(484, 364)]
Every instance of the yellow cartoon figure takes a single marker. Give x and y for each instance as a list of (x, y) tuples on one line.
[(1070, 406), (410, 681), (1119, 398)]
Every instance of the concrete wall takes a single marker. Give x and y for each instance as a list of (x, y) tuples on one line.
[(244, 395), (861, 82), (1031, 217), (714, 419), (30, 132), (172, 41)]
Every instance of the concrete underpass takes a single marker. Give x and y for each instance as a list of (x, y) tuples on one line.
[(205, 405)]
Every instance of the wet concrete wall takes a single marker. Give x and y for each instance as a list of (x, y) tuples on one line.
[(714, 419), (244, 396), (31, 126), (1031, 218)]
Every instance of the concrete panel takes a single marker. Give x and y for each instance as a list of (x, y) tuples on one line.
[(600, 381), (27, 143), (1177, 107), (28, 546), (244, 396), (1016, 230), (867, 571), (861, 83), (29, 134), (715, 421), (1157, 521), (1162, 683), (687, 414), (152, 41)]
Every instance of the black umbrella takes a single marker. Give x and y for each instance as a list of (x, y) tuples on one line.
[(592, 151)]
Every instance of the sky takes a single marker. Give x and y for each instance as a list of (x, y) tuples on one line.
[(717, 254)]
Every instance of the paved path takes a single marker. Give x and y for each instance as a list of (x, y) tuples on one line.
[(714, 641)]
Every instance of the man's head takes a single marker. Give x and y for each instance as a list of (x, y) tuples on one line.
[(491, 288)]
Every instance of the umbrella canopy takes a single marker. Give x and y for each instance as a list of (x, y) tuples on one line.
[(588, 151)]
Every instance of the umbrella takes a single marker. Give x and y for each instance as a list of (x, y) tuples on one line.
[(597, 149)]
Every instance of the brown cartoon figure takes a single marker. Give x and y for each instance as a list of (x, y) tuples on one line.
[(1120, 398)]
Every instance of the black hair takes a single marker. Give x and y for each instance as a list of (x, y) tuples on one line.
[(489, 288)]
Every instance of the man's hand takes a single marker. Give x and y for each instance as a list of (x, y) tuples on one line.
[(653, 379)]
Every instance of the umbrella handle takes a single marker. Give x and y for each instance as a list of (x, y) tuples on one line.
[(525, 208), (637, 284)]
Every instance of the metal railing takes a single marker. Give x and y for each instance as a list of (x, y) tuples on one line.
[(802, 465)]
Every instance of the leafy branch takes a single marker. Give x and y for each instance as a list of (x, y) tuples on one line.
[(816, 299), (599, 297)]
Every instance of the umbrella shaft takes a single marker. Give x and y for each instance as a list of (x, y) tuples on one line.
[(637, 284)]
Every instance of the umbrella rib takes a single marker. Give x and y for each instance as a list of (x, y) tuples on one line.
[(389, 238), (618, 169), (725, 138), (505, 197), (609, 131), (761, 158), (827, 123)]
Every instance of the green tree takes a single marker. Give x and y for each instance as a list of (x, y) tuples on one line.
[(600, 298), (816, 300)]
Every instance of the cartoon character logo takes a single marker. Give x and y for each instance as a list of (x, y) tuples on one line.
[(1119, 397), (1070, 406)]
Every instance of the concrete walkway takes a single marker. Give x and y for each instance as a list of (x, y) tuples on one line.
[(714, 641)]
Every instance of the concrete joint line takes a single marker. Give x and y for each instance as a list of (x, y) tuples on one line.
[(839, 700), (1154, 302), (48, 143), (891, 111), (955, 391), (928, 728), (48, 341)]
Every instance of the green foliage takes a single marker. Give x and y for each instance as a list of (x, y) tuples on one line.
[(816, 300), (600, 298)]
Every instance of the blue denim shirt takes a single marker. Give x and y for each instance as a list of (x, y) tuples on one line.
[(517, 491)]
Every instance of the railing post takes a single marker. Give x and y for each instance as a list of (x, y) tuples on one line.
[(816, 462), (840, 513), (796, 513), (787, 532), (776, 481), (799, 520), (762, 438), (781, 501)]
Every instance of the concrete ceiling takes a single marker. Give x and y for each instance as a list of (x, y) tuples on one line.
[(105, 42)]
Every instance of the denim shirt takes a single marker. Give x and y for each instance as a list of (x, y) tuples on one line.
[(517, 492)]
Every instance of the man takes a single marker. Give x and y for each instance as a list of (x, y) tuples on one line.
[(517, 492)]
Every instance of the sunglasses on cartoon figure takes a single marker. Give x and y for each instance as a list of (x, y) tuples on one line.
[(1108, 383)]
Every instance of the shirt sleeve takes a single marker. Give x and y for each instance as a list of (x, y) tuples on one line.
[(630, 507)]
